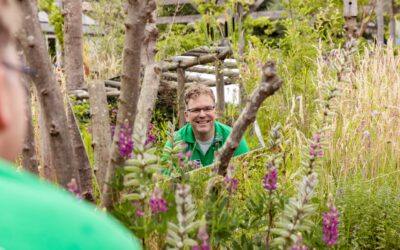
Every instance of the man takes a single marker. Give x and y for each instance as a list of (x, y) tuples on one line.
[(202, 133), (34, 214)]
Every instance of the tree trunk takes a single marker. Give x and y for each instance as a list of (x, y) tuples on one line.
[(139, 12), (73, 44), (180, 94), (220, 88), (74, 76), (101, 136), (269, 85), (29, 160), (81, 158), (380, 22), (150, 85), (49, 93)]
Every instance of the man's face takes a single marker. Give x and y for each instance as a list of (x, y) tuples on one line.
[(201, 114), (12, 108)]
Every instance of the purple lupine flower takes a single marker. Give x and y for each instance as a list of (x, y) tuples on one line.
[(202, 235), (157, 203), (179, 155), (316, 146), (330, 221), (232, 184), (270, 179), (73, 187), (298, 245), (139, 213), (151, 135), (125, 141)]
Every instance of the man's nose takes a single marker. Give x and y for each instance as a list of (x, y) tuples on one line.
[(202, 112)]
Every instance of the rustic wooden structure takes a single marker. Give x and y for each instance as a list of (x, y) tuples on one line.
[(254, 12)]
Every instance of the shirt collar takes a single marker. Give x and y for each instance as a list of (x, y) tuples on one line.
[(190, 138)]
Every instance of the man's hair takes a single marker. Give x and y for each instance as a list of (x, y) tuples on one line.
[(196, 90)]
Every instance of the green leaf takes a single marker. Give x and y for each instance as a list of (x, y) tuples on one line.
[(132, 197), (133, 182), (190, 243)]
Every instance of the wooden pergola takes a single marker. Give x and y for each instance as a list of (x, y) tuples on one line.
[(254, 12)]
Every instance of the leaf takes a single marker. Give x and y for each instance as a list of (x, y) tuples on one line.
[(132, 197), (190, 243), (133, 182), (192, 226), (133, 169), (152, 169), (280, 232), (133, 162), (173, 235)]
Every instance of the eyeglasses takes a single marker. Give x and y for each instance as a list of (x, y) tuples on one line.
[(18, 68), (206, 109)]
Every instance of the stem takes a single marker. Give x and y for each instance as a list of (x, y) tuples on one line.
[(271, 217)]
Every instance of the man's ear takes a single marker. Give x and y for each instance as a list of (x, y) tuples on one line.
[(4, 108)]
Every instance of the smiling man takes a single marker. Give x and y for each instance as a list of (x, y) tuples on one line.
[(202, 133)]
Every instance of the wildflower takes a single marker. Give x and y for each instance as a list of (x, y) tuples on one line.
[(270, 179), (299, 244), (151, 135), (73, 187), (202, 235), (330, 221), (139, 213), (232, 184), (179, 155), (375, 113), (125, 141), (316, 146), (189, 154), (157, 203)]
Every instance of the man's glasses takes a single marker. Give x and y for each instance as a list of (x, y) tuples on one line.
[(206, 109), (18, 68)]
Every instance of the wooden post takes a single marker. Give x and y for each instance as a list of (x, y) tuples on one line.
[(380, 22), (180, 94), (350, 17), (219, 77), (392, 27)]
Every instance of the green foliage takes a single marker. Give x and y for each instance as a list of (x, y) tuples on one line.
[(180, 38), (56, 18), (369, 216)]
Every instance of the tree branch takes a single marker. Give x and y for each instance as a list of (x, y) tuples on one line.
[(269, 85)]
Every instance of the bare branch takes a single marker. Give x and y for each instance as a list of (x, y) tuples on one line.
[(270, 83)]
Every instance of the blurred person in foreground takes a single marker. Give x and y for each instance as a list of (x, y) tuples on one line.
[(33, 213), (203, 134)]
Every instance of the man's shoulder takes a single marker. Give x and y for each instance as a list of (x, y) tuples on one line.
[(33, 203)]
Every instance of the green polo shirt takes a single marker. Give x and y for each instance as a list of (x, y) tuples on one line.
[(35, 215), (222, 132)]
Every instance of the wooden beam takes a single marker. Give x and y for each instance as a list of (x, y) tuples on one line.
[(273, 15), (255, 5), (197, 60), (174, 2)]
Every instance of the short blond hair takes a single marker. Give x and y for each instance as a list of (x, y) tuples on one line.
[(196, 90)]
